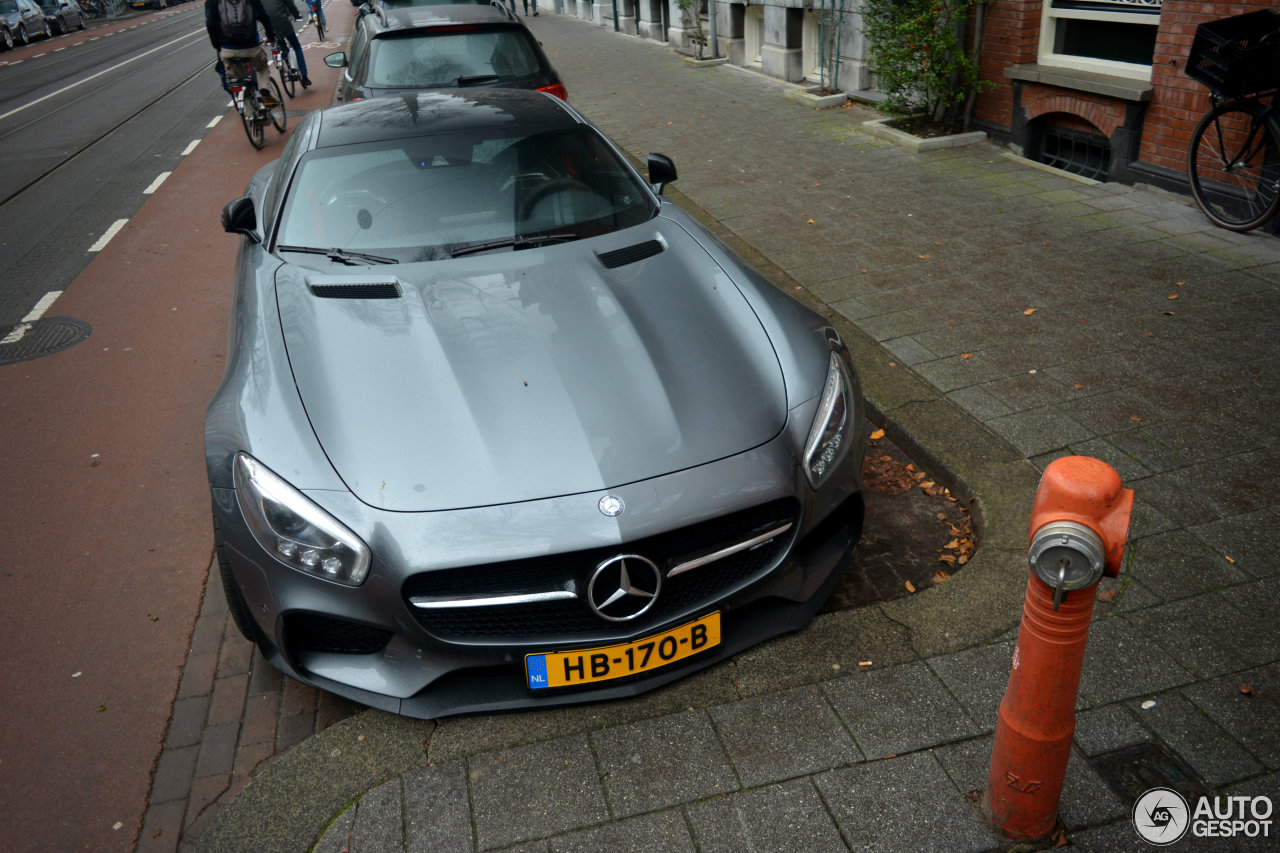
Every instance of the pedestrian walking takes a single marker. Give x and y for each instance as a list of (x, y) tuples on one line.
[(527, 4)]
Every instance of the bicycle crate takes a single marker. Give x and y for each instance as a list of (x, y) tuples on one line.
[(1227, 55)]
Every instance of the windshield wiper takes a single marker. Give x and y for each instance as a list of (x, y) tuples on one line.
[(519, 241), (476, 79), (340, 256)]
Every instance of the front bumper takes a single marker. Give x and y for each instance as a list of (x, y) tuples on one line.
[(371, 645)]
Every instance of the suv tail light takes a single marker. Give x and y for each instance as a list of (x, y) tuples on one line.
[(557, 89)]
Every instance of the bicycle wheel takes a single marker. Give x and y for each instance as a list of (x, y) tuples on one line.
[(278, 116), (288, 75), (1234, 166), (250, 112), (319, 29)]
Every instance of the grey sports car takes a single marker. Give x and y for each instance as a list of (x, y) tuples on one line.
[(502, 427)]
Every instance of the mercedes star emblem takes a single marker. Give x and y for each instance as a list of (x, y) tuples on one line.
[(623, 587), (612, 505)]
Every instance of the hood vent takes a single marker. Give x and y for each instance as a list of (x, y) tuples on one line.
[(358, 290), (629, 255)]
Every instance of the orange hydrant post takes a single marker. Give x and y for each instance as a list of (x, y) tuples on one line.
[(1079, 525)]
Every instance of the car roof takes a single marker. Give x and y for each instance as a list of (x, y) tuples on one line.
[(417, 17), (434, 111)]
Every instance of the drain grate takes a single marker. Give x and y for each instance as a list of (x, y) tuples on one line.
[(43, 337), (1134, 770)]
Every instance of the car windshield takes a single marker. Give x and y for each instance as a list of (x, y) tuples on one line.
[(405, 4), (8, 6), (442, 196), (452, 58)]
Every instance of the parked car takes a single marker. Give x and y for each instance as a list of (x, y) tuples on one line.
[(502, 427), (62, 15), (403, 50), (21, 19)]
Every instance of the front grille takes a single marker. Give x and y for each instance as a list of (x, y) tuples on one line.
[(312, 632), (573, 618)]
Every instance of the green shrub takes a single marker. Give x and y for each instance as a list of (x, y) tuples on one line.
[(917, 53)]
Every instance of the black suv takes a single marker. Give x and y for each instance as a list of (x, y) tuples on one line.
[(431, 47)]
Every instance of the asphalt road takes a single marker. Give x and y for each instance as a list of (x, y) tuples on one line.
[(89, 122), (105, 525)]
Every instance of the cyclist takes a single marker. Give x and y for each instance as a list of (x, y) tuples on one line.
[(282, 14), (318, 8), (233, 29)]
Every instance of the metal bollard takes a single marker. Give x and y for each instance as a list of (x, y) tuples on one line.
[(1079, 525)]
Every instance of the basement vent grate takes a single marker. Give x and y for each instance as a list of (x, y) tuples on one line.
[(1083, 154)]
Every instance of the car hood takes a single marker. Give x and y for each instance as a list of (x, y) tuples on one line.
[(519, 375)]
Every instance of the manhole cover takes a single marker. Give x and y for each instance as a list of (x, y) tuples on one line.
[(43, 337), (1134, 770)]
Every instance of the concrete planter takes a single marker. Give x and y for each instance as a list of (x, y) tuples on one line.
[(879, 127), (812, 98), (694, 62)]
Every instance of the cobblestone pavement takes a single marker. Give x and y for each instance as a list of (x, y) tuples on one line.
[(1001, 316)]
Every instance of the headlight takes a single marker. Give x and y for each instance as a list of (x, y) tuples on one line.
[(829, 435), (294, 530)]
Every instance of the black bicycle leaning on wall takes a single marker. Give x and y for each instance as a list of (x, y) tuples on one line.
[(1233, 161)]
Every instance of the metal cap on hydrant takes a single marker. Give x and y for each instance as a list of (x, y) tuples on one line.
[(1079, 526)]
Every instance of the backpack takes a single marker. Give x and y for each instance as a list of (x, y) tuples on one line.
[(237, 21)]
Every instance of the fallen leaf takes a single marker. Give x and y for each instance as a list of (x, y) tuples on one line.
[(1135, 418), (940, 576), (941, 516), (947, 558), (966, 355), (1060, 838), (1246, 689), (924, 257), (810, 221), (910, 586), (864, 663), (1229, 560), (1181, 284), (927, 484), (1107, 595), (1174, 296), (952, 545), (1030, 311), (877, 435), (1077, 386)]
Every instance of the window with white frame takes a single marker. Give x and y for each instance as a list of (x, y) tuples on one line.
[(1107, 36)]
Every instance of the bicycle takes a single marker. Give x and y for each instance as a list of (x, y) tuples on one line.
[(254, 114), (1233, 159), (286, 66), (92, 9), (315, 16)]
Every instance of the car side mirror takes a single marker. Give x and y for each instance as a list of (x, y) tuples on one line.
[(662, 171), (239, 217), (365, 9), (336, 60)]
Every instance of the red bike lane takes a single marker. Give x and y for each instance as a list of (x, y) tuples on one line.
[(105, 541)]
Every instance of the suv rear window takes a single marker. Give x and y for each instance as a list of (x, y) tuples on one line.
[(454, 57)]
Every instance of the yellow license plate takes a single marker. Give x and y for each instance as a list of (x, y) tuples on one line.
[(587, 666)]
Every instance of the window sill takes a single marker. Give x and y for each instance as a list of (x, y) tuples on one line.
[(1107, 85)]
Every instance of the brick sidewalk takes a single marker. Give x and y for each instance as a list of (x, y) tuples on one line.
[(233, 712)]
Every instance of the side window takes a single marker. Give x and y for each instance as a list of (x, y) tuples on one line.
[(280, 178), (358, 45), (1105, 36)]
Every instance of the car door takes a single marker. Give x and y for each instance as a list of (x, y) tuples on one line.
[(355, 55)]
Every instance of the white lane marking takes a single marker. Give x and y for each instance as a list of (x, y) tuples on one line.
[(19, 332), (42, 306), (16, 334), (132, 59), (106, 238), (191, 146), (155, 185), (214, 121)]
